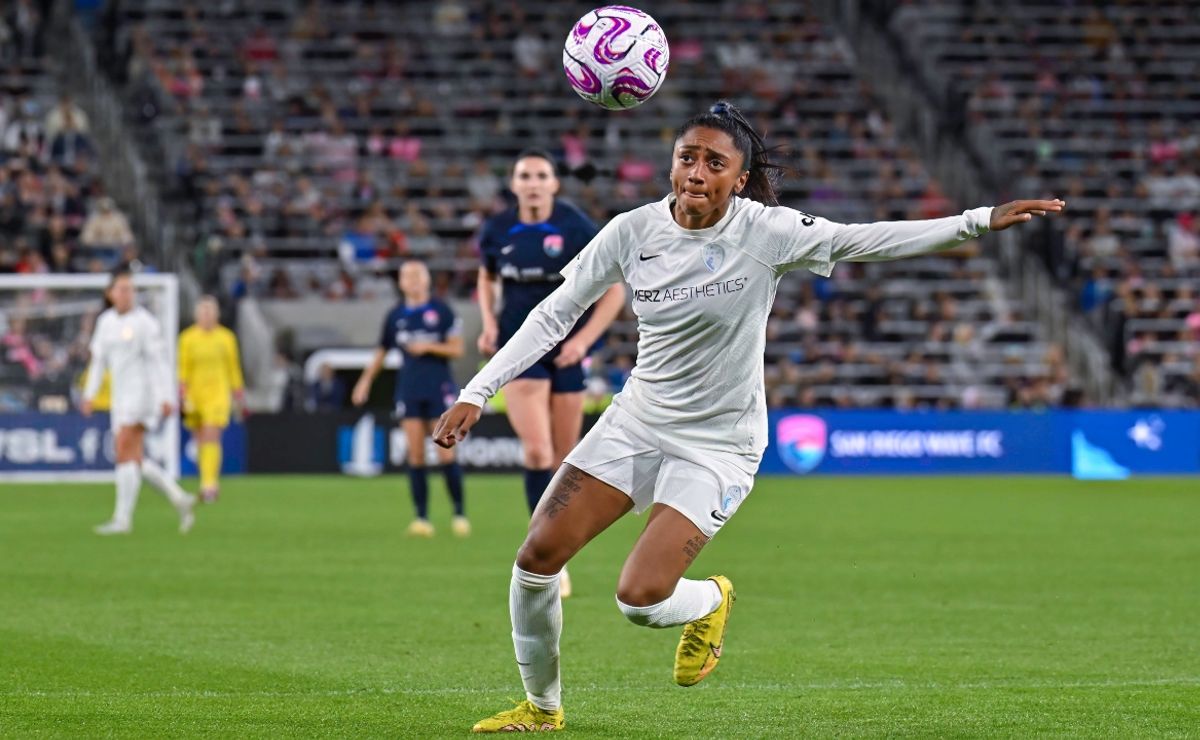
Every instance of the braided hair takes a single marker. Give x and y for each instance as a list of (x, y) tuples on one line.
[(764, 174)]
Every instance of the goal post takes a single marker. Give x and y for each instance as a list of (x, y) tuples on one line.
[(46, 323)]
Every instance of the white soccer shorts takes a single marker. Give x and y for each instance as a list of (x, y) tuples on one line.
[(705, 486), (140, 413)]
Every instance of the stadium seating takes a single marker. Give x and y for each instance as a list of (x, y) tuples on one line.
[(54, 217), (321, 145), (1098, 105)]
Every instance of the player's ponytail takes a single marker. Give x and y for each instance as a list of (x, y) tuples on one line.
[(762, 185)]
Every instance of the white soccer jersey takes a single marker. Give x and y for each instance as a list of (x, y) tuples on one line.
[(702, 298), (131, 347)]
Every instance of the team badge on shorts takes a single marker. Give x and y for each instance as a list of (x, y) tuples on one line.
[(714, 257), (552, 245), (733, 497), (729, 503)]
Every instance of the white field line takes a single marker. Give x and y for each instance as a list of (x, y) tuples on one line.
[(893, 685)]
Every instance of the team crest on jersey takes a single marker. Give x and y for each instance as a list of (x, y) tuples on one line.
[(430, 317), (552, 245), (714, 257)]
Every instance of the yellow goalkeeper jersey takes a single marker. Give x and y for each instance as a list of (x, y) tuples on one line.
[(209, 366)]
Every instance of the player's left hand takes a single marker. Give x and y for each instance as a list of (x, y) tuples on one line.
[(1020, 211), (417, 348), (167, 408), (571, 352), (455, 423)]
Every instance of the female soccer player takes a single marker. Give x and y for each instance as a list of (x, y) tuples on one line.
[(210, 373), (524, 249), (685, 436), (428, 335), (128, 342)]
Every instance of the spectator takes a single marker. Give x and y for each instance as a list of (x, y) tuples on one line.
[(404, 145), (1183, 244), (420, 238), (327, 392), (23, 136), (69, 145), (450, 18), (1103, 242), (632, 172), (260, 47), (106, 227), (65, 115), (280, 286), (529, 51), (483, 185), (25, 29)]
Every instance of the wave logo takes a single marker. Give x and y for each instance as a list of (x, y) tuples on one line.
[(801, 439), (360, 448)]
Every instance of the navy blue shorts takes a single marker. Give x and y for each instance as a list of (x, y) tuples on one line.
[(420, 408), (567, 379)]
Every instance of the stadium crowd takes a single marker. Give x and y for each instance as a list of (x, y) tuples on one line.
[(320, 147), (1097, 103), (311, 151)]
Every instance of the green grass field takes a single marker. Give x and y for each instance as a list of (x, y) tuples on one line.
[(947, 607)]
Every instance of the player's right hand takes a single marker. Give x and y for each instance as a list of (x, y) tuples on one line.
[(361, 391), (85, 407), (487, 340), (455, 423)]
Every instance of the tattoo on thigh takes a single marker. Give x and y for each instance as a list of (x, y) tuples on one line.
[(570, 484), (693, 546)]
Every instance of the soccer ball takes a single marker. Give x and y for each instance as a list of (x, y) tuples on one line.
[(616, 57)]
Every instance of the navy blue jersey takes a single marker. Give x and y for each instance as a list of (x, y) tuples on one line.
[(527, 259), (422, 377)]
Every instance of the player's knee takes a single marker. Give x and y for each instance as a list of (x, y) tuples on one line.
[(539, 456), (542, 556), (416, 459), (640, 595)]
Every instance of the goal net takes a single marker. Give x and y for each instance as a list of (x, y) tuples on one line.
[(46, 324)]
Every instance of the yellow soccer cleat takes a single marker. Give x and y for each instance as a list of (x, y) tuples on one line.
[(419, 528), (461, 526), (525, 717), (703, 640)]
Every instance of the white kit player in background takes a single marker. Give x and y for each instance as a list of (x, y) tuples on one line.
[(684, 438), (128, 343)]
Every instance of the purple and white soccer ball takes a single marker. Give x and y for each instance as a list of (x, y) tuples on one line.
[(616, 57)]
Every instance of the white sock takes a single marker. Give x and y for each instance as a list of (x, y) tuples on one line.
[(129, 482), (691, 601), (158, 478), (536, 610)]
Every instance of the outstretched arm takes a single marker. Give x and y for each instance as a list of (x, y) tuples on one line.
[(890, 240), (816, 244)]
